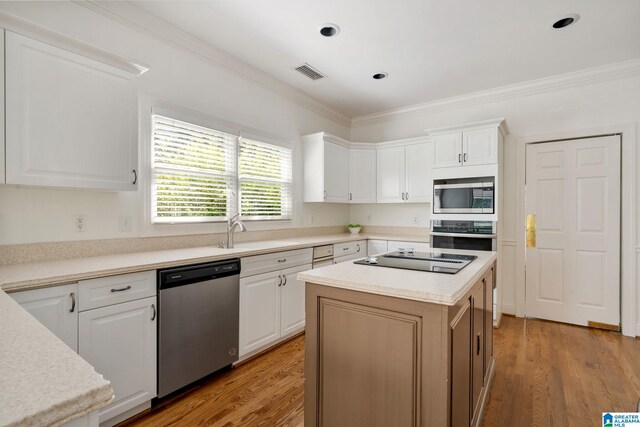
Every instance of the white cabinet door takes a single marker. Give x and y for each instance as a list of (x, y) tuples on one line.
[(336, 173), (419, 186), (71, 121), (259, 311), (292, 300), (447, 150), (2, 159), (391, 175), (119, 341), (376, 247), (362, 176), (56, 308), (480, 147)]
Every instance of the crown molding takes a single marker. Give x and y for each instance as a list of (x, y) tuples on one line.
[(26, 28), (494, 123), (547, 84), (133, 17)]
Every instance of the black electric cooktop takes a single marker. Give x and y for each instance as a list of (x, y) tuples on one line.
[(434, 261)]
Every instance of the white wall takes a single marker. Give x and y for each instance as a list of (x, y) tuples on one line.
[(176, 77), (573, 109)]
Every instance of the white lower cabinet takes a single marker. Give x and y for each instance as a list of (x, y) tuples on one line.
[(394, 245), (119, 341), (56, 308), (271, 307), (376, 247)]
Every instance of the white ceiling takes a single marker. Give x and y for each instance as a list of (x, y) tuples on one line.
[(432, 49)]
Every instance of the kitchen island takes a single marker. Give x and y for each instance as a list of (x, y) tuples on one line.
[(398, 347)]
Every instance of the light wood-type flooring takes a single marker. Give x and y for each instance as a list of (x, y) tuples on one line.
[(547, 374)]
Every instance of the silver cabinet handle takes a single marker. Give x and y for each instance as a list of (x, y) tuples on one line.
[(73, 302), (465, 157), (135, 176), (350, 196), (345, 249), (282, 260), (406, 196), (126, 288), (153, 306), (402, 196), (280, 280), (358, 245), (459, 158), (325, 195), (285, 280)]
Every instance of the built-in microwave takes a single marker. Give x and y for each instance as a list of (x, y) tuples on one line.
[(464, 196)]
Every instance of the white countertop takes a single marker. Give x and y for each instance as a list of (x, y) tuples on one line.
[(423, 286), (42, 381), (18, 277)]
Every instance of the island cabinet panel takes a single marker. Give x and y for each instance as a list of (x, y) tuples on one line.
[(461, 368), (368, 360), (488, 317), (477, 346)]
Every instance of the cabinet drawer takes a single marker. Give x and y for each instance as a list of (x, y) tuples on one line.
[(105, 291), (259, 264), (350, 248), (322, 251), (338, 260)]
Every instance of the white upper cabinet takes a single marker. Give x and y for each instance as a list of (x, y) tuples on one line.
[(480, 146), (404, 173), (391, 175), (2, 145), (71, 120), (336, 177), (447, 150), (325, 169), (418, 162), (362, 175), (466, 148)]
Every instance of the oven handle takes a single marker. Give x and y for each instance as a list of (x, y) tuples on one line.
[(467, 185), (475, 236)]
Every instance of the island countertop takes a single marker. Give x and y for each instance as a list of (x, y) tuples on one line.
[(423, 286)]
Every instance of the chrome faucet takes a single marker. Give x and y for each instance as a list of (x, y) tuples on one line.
[(231, 226)]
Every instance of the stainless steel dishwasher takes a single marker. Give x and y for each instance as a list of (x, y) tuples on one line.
[(198, 315)]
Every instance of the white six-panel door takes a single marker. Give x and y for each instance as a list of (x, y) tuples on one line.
[(573, 272)]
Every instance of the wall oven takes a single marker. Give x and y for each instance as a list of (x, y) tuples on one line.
[(464, 196), (471, 235)]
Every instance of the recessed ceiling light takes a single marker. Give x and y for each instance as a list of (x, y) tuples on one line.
[(566, 21), (329, 30), (380, 76)]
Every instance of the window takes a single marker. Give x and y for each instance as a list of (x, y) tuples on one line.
[(264, 176), (193, 172), (197, 172)]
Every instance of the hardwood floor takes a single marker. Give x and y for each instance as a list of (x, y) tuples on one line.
[(547, 374), (552, 374), (266, 391)]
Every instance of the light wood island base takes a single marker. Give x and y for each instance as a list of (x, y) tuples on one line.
[(373, 360)]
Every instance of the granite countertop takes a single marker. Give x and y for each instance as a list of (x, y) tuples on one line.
[(43, 382), (17, 277), (423, 286)]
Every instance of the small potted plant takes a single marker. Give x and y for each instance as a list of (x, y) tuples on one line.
[(354, 228)]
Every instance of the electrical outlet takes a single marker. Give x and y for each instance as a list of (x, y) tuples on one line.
[(369, 219), (416, 220), (80, 223), (125, 223)]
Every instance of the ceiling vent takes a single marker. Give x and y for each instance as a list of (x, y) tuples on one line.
[(310, 72)]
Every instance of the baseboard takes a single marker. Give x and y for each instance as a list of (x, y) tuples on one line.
[(638, 332), (509, 309)]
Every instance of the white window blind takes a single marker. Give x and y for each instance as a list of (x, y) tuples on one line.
[(193, 172), (264, 176)]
